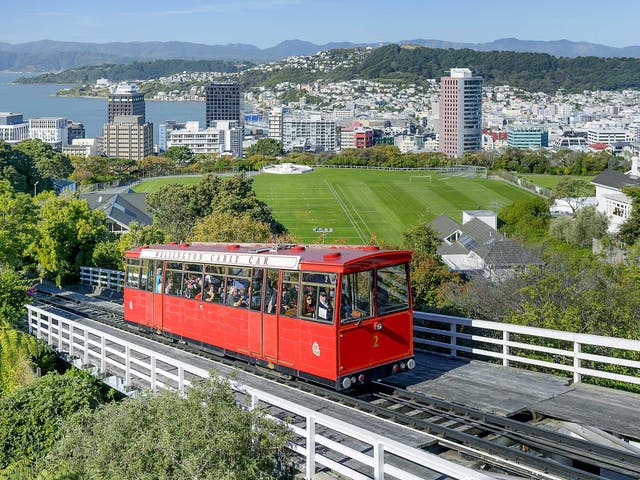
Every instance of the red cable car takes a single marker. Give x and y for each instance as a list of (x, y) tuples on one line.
[(337, 315)]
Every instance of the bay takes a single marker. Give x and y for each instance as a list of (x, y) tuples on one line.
[(41, 101)]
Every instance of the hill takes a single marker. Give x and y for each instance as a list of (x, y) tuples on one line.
[(49, 55), (393, 63)]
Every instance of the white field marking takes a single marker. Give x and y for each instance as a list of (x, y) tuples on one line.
[(357, 212), (346, 211)]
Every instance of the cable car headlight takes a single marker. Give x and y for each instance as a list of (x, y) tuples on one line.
[(379, 326), (411, 364), (346, 382)]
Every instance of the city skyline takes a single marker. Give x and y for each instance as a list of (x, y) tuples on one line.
[(269, 22)]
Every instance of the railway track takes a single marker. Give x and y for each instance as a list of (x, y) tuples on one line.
[(484, 441)]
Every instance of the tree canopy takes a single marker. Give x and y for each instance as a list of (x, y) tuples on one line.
[(203, 435)]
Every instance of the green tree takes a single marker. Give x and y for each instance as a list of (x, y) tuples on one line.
[(630, 230), (526, 218), (421, 238), (18, 220), (14, 294), (48, 162), (175, 210), (21, 355), (17, 168), (68, 233), (181, 155), (266, 147), (203, 435), (580, 230), (229, 227), (30, 417), (571, 190)]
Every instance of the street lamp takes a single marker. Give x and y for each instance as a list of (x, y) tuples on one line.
[(35, 188), (323, 231)]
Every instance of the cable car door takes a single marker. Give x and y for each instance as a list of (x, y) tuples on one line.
[(158, 290), (270, 316)]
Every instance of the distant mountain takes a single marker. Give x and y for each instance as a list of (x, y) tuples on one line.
[(49, 55)]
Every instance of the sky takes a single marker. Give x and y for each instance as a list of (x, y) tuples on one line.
[(266, 23)]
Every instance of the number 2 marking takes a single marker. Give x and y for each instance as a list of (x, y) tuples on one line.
[(375, 341)]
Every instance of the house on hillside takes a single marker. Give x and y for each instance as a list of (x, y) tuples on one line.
[(611, 200), (120, 208), (476, 248)]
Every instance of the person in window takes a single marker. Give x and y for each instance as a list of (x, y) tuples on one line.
[(210, 293), (169, 290), (309, 307), (325, 309), (232, 297), (346, 309), (158, 288), (242, 299), (288, 301), (270, 299)]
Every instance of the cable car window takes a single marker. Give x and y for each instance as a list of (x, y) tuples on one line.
[(174, 279), (392, 289), (254, 294), (158, 282), (238, 280), (147, 277), (289, 296), (356, 298), (133, 273), (214, 283), (271, 292), (318, 296), (192, 281)]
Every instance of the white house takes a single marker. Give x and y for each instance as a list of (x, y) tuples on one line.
[(611, 200)]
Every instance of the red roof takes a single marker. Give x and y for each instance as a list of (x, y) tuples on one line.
[(598, 146)]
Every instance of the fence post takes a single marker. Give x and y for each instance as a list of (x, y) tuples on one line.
[(311, 448), (378, 461), (505, 348), (454, 340), (577, 363)]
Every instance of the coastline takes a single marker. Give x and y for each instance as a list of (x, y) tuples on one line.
[(101, 97)]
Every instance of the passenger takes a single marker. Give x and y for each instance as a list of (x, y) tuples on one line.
[(158, 288), (270, 299), (345, 307), (288, 302), (309, 306), (232, 297), (169, 289), (190, 291), (210, 294), (325, 309), (242, 299)]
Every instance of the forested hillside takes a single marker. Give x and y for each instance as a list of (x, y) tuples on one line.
[(407, 63)]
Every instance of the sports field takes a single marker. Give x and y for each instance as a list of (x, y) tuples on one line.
[(359, 203), (551, 181)]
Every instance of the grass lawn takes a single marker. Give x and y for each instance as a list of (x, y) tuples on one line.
[(360, 203), (550, 181), (148, 186)]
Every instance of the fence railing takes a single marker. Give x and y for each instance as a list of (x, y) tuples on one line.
[(102, 277), (575, 354), (525, 184), (125, 364)]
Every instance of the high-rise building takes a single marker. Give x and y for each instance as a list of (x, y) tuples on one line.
[(128, 136), (312, 133), (126, 100), (75, 130), (222, 102), (13, 128), (460, 112)]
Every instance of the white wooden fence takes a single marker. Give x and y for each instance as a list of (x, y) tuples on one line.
[(515, 344), (124, 364), (102, 277)]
